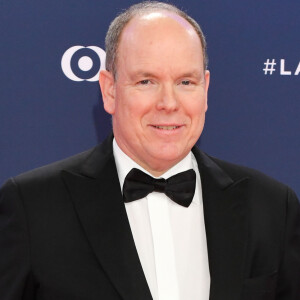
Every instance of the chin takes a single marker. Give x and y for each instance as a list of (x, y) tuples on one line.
[(171, 156)]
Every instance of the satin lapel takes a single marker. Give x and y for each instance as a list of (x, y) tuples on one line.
[(97, 199), (224, 202)]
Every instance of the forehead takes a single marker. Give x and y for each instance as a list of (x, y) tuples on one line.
[(159, 16), (158, 34), (156, 20)]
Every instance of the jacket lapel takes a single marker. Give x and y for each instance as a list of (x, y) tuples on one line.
[(224, 202), (96, 195)]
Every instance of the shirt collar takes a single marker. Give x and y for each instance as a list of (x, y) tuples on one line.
[(124, 164)]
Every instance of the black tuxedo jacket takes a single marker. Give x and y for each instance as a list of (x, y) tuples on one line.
[(64, 233)]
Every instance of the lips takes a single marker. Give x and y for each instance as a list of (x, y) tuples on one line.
[(166, 127)]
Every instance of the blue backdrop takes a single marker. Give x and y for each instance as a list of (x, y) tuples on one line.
[(254, 106)]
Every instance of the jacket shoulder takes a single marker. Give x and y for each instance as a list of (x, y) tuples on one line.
[(259, 180), (52, 170)]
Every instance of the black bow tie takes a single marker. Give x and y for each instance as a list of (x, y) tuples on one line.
[(180, 187)]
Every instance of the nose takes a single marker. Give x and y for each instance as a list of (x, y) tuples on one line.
[(167, 99)]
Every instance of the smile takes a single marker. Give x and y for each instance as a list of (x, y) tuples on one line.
[(166, 127)]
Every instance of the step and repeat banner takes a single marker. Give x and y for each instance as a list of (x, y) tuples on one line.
[(51, 106)]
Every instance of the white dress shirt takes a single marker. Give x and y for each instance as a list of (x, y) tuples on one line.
[(170, 239)]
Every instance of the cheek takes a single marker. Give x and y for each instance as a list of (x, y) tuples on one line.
[(197, 109), (135, 109), (131, 113)]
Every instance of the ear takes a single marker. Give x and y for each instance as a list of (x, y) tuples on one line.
[(207, 78), (107, 85)]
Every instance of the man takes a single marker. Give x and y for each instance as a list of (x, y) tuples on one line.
[(66, 233)]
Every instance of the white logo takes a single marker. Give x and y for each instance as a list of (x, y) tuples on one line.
[(85, 63), (269, 68)]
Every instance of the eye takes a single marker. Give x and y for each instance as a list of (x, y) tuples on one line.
[(185, 82), (144, 82)]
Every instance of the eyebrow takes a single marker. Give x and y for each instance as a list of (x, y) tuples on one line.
[(194, 73), (143, 74)]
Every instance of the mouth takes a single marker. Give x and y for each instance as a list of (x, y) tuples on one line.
[(166, 127)]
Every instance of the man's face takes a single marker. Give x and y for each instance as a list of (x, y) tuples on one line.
[(159, 97)]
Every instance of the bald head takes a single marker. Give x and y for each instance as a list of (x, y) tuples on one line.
[(147, 9), (158, 34)]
